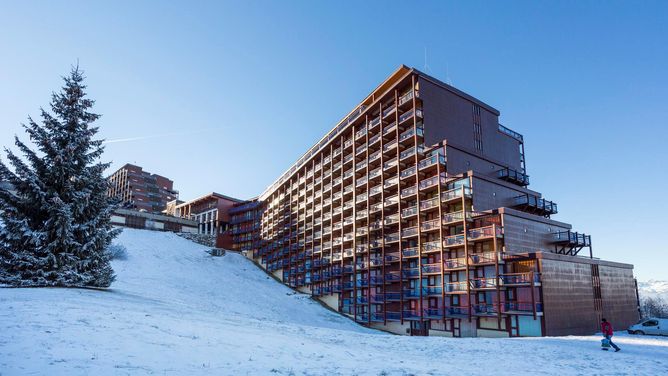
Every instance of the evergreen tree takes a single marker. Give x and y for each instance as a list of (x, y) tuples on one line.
[(56, 224)]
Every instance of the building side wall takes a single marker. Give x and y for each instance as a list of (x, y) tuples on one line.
[(568, 298), (620, 304), (522, 235), (448, 116)]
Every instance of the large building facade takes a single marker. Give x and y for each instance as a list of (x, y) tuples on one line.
[(141, 190), (414, 215)]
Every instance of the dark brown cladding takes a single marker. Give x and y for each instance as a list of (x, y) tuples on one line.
[(413, 215), (141, 190)]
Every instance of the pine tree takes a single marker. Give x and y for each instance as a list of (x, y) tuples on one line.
[(56, 224)]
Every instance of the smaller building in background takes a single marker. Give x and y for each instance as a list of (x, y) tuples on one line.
[(141, 190), (210, 212), (151, 221)]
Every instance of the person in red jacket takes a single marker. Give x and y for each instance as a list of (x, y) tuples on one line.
[(606, 328)]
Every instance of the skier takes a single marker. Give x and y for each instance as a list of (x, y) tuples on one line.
[(606, 328)]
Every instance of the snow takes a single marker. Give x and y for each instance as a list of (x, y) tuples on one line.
[(175, 310)]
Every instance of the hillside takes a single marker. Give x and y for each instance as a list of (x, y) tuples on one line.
[(175, 310)]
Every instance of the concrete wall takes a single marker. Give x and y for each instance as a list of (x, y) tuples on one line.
[(525, 233)]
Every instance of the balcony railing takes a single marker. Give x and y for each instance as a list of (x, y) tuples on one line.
[(535, 205), (572, 238), (407, 172), (483, 283), (430, 225), (519, 278), (456, 193), (455, 263), (405, 98), (413, 272), (410, 252), (430, 161), (392, 238), (411, 231), (432, 246), (454, 217), (432, 181), (429, 204), (453, 240), (431, 268), (513, 176), (511, 133), (409, 212), (522, 307), (485, 232), (451, 287), (485, 309), (410, 191), (484, 258)]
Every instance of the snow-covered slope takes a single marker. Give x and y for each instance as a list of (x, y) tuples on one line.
[(175, 310), (654, 289)]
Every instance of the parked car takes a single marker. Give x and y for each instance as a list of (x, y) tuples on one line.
[(652, 325)]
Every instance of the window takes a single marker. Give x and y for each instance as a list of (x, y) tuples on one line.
[(650, 323), (477, 128)]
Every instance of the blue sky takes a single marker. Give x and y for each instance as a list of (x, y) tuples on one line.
[(229, 94)]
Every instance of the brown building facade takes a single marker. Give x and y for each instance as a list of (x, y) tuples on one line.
[(141, 190), (414, 215), (211, 212)]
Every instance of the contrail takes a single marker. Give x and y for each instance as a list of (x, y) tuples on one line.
[(140, 138)]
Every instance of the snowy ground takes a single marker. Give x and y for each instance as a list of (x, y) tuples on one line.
[(175, 310)]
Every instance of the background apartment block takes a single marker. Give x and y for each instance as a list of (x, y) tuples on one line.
[(141, 190), (414, 215), (211, 212)]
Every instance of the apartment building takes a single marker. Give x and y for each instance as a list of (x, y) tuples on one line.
[(414, 215), (211, 212), (141, 190)]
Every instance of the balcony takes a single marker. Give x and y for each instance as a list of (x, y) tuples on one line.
[(522, 308), (432, 182), (429, 204), (456, 193), (411, 294), (392, 238), (453, 240), (485, 309), (391, 163), (375, 190), (411, 315), (391, 219), (409, 115), (433, 246), (392, 145), (520, 279), (432, 291), (454, 263), (406, 98), (431, 225), (374, 156), (410, 191), (455, 217), (411, 273), (410, 152), (431, 268), (484, 258), (390, 129), (456, 287), (410, 232), (361, 133), (409, 212), (410, 252), (485, 233), (535, 205), (513, 176), (372, 141), (360, 166), (392, 296), (389, 110), (431, 161), (394, 200), (484, 283)]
